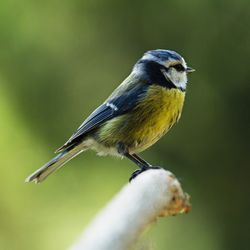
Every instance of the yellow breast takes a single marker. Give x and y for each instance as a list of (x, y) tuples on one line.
[(149, 121), (159, 112)]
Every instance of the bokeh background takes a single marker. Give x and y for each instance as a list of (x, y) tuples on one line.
[(60, 59)]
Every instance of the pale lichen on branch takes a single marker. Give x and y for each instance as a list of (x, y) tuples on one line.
[(153, 194)]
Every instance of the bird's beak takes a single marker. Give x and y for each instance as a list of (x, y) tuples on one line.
[(190, 70)]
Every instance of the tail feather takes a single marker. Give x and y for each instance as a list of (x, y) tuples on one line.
[(54, 164)]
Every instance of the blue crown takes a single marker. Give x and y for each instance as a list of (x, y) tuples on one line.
[(164, 55)]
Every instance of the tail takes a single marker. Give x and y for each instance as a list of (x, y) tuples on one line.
[(54, 164)]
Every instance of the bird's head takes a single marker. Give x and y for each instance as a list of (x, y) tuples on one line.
[(163, 66)]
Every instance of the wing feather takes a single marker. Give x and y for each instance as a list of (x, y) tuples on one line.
[(113, 107), (100, 115)]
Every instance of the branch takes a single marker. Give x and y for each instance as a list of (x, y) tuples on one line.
[(152, 194)]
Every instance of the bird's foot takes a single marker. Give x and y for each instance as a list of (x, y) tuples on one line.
[(139, 171)]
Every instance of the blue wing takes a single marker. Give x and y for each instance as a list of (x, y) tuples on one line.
[(113, 107)]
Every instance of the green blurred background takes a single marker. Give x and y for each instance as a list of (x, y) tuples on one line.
[(60, 59)]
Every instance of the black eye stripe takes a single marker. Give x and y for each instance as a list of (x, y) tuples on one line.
[(178, 67)]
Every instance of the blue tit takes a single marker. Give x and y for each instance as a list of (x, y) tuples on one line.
[(137, 114)]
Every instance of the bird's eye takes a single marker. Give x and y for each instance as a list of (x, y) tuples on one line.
[(178, 67)]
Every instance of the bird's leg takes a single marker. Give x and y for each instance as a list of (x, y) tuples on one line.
[(139, 162), (142, 164), (145, 163)]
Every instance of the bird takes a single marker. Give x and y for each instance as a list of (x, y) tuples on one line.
[(136, 115)]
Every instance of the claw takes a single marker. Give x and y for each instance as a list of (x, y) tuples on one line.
[(139, 171)]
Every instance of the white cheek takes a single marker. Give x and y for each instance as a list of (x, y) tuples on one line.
[(178, 78)]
